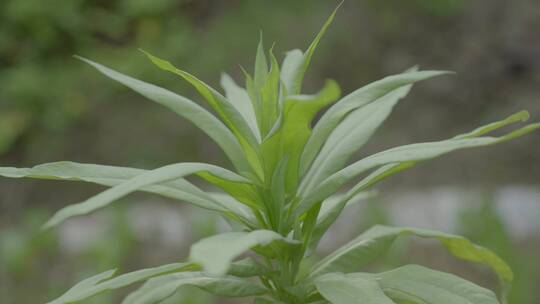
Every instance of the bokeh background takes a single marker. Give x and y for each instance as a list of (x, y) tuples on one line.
[(53, 107)]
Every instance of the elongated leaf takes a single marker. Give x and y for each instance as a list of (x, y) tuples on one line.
[(153, 177), (289, 68), (186, 108), (351, 134), (288, 142), (375, 241), (335, 205), (340, 288), (103, 282), (422, 285), (270, 97), (408, 153), (228, 113), (254, 85), (298, 63), (216, 253), (357, 99), (391, 169), (266, 301), (160, 288), (247, 268), (111, 176), (330, 211), (239, 98)]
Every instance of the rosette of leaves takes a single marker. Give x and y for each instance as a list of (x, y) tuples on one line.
[(284, 191)]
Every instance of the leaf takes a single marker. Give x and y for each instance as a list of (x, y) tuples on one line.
[(403, 154), (393, 168), (295, 129), (239, 98), (375, 241), (296, 65), (216, 253), (179, 189), (289, 69), (340, 288), (149, 178), (351, 134), (266, 301), (186, 108), (247, 268), (103, 282), (270, 96), (160, 288), (330, 210), (355, 100), (426, 286), (228, 113)]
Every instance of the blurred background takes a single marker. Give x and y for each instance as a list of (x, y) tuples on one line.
[(53, 107)]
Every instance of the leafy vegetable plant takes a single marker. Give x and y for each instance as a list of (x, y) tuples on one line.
[(283, 194)]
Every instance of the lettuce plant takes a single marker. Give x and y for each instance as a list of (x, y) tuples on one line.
[(284, 191)]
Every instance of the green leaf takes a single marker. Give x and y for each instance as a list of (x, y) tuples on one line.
[(294, 130), (266, 301), (179, 189), (160, 288), (351, 134), (261, 65), (340, 288), (403, 154), (216, 253), (391, 169), (247, 268), (330, 210), (103, 282), (422, 285), (270, 96), (289, 68), (296, 64), (355, 100), (239, 98), (186, 108), (228, 113), (375, 241), (149, 178)]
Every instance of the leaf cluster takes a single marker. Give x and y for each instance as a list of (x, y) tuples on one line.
[(284, 191)]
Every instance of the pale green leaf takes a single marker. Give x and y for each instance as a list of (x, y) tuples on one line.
[(422, 285), (298, 63), (103, 282), (393, 168), (179, 189), (149, 178), (239, 98), (187, 109), (246, 268), (341, 288), (351, 134), (160, 288), (330, 210), (270, 97), (357, 99), (298, 113), (228, 113), (289, 69), (374, 242), (403, 154), (216, 253)]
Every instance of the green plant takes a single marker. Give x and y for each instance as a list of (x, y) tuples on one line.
[(282, 197)]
